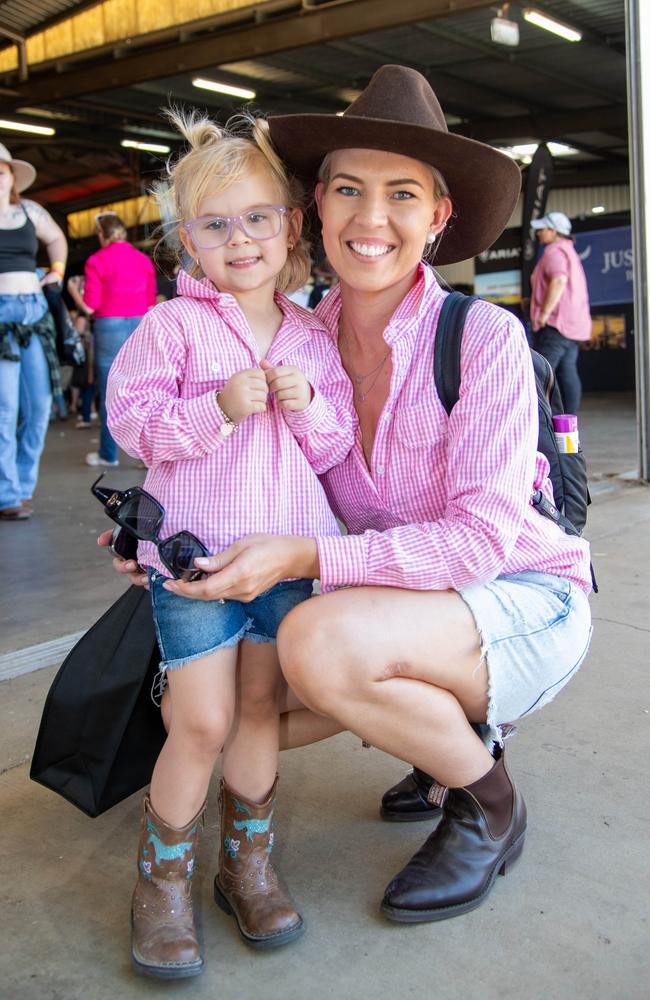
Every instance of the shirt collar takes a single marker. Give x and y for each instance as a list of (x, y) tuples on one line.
[(195, 288), (297, 321)]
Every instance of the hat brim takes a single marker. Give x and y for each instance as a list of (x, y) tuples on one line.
[(24, 173), (483, 183)]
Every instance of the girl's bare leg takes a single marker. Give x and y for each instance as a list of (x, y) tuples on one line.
[(299, 726), (250, 754), (203, 698)]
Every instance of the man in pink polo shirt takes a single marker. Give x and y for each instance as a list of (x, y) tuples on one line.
[(559, 308)]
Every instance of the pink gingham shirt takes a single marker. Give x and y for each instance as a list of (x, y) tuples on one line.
[(446, 503), (262, 478)]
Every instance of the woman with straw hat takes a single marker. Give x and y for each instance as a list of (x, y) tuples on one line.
[(29, 369), (451, 606)]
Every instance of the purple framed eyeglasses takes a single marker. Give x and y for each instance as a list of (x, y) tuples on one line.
[(262, 222)]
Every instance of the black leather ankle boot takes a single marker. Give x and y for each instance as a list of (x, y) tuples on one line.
[(410, 799), (481, 833)]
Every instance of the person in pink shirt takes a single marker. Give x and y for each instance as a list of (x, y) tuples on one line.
[(235, 399), (452, 606), (119, 288), (559, 306)]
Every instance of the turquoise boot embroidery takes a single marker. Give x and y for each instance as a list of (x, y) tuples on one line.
[(253, 826), (164, 852)]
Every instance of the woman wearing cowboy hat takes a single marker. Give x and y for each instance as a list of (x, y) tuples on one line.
[(29, 370), (451, 606)]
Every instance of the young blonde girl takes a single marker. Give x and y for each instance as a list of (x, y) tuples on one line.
[(235, 399)]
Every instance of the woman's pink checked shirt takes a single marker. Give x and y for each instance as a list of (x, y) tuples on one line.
[(446, 503), (161, 408)]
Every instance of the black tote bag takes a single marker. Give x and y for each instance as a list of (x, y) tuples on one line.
[(100, 733)]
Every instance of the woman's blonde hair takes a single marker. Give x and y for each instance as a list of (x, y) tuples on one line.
[(220, 156), (110, 226)]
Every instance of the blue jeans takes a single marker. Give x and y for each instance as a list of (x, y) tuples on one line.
[(562, 355), (109, 333), (86, 396), (25, 403)]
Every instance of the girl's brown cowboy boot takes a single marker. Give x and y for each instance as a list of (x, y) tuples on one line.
[(163, 941), (246, 885)]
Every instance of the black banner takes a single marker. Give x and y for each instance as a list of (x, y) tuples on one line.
[(538, 184)]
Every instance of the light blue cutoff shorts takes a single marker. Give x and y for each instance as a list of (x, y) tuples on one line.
[(187, 630), (535, 631)]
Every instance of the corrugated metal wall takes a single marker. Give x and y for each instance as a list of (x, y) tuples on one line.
[(576, 202)]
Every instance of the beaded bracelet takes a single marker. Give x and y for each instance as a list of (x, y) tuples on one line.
[(228, 426)]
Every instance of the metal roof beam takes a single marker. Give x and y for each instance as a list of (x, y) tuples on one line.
[(518, 59), (548, 125), (229, 45)]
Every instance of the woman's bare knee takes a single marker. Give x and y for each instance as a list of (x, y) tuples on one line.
[(317, 650)]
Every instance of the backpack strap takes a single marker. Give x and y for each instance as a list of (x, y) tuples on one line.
[(447, 347)]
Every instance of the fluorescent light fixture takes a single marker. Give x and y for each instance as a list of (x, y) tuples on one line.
[(223, 88), (144, 130), (598, 210), (22, 127), (503, 31), (550, 24), (62, 116), (146, 147), (527, 149)]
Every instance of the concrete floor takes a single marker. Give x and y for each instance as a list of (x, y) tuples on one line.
[(569, 921)]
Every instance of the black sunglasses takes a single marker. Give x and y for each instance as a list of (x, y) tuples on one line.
[(141, 515)]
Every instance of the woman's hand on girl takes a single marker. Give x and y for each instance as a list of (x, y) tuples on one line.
[(289, 385), (250, 566), (244, 393)]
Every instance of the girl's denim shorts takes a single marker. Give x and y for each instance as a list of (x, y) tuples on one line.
[(188, 630), (535, 631)]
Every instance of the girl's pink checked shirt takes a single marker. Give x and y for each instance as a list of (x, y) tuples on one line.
[(262, 478)]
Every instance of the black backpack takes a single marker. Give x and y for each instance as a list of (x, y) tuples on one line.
[(568, 473)]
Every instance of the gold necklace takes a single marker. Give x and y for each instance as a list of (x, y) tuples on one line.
[(359, 379)]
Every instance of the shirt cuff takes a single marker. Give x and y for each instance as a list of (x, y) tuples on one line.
[(207, 421), (342, 561), (303, 422)]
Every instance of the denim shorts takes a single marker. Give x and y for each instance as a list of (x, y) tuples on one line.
[(535, 631), (188, 630)]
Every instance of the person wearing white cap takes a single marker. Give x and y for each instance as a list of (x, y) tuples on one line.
[(559, 308), (29, 369)]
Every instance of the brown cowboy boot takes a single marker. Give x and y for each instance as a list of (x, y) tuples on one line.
[(246, 885), (481, 833), (163, 940)]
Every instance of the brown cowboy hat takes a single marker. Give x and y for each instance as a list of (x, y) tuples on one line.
[(24, 172), (398, 112)]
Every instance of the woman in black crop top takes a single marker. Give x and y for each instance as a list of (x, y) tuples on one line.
[(29, 370)]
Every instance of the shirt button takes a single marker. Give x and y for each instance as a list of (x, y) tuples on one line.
[(387, 416), (380, 470), (215, 366)]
